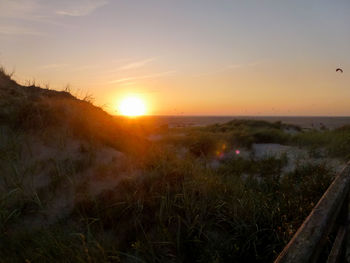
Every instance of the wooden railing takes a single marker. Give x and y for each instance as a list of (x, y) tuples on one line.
[(329, 217)]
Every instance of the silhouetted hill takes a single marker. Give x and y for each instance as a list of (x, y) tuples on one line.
[(38, 110)]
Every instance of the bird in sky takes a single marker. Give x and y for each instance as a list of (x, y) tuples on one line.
[(339, 69)]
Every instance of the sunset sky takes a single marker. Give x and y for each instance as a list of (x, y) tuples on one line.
[(189, 57)]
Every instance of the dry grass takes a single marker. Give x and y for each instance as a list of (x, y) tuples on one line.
[(78, 185)]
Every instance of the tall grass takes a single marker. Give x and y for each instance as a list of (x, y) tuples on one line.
[(179, 211), (336, 143), (63, 203)]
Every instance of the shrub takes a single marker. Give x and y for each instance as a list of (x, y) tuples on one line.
[(203, 144)]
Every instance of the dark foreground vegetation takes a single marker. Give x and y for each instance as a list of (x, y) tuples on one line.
[(78, 185)]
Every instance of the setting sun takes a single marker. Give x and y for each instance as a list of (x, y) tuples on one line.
[(174, 131), (132, 107)]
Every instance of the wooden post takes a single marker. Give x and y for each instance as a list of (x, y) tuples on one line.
[(308, 241)]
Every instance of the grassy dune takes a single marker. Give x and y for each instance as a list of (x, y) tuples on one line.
[(78, 185)]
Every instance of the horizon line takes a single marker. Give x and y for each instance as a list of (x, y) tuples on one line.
[(239, 116)]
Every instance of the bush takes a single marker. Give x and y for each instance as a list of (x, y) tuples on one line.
[(335, 142), (203, 144)]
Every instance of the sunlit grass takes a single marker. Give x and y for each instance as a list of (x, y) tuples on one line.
[(78, 185)]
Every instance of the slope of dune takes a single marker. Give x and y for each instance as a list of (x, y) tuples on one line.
[(55, 148), (79, 185), (33, 109)]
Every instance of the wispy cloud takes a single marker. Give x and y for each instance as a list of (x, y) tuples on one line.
[(38, 9), (18, 8), (121, 80), (128, 83), (16, 30), (81, 7), (137, 64), (228, 68), (151, 76), (86, 67), (17, 12), (54, 66)]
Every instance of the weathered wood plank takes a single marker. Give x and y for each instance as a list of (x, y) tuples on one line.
[(347, 236), (307, 242), (335, 254)]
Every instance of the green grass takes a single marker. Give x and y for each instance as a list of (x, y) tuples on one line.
[(205, 141), (336, 143), (162, 204), (244, 133), (177, 210)]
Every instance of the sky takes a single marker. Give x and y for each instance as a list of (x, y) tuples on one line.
[(185, 57)]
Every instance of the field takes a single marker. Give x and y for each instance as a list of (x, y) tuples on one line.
[(79, 185)]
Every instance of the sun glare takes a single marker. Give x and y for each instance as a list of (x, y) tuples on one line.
[(132, 107)]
